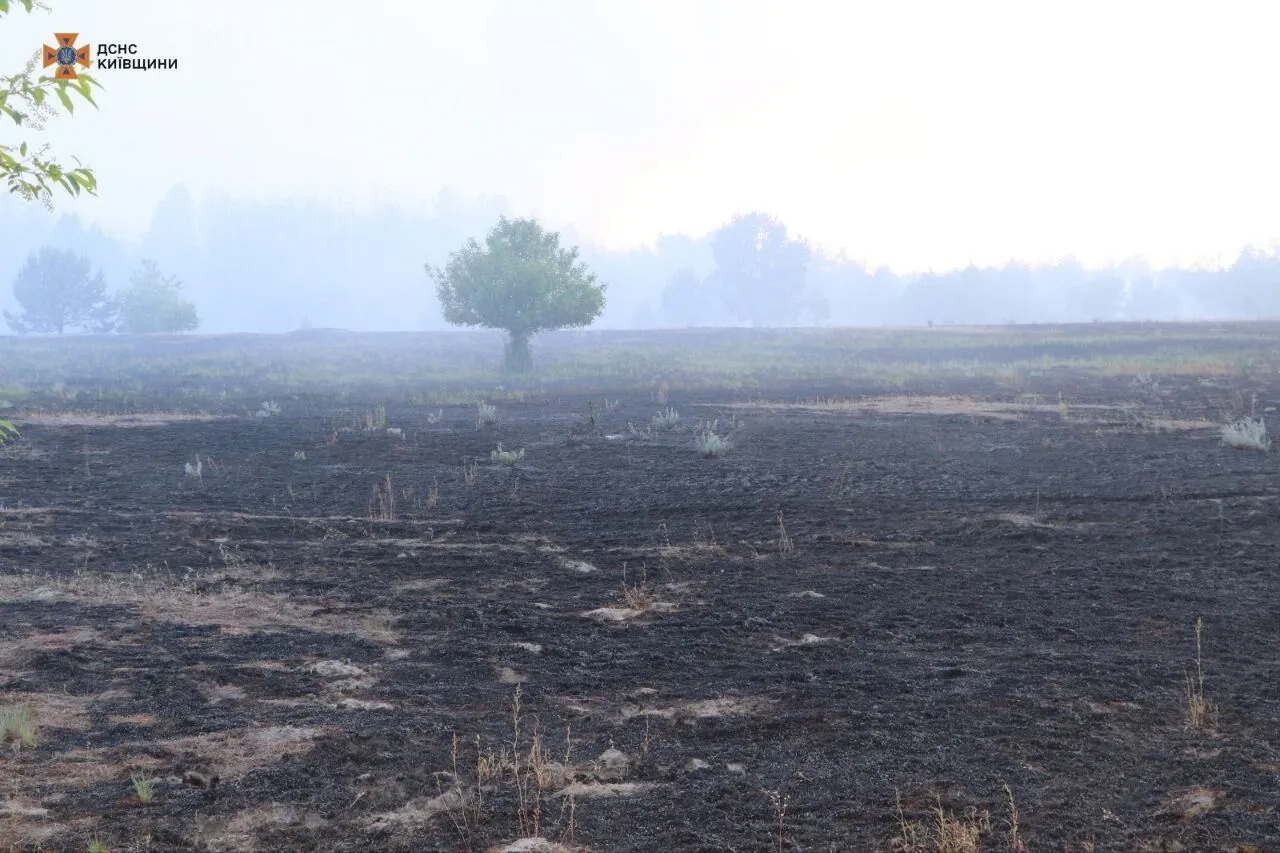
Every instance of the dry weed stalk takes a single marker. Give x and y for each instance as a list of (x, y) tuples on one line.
[(382, 504), (638, 596), (785, 544), (570, 802), (780, 802), (470, 812), (1016, 844), (1199, 709), (533, 770), (375, 418)]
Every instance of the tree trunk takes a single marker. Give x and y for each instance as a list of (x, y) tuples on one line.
[(518, 352)]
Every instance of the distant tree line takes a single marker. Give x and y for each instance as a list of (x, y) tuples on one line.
[(758, 274), (264, 266), (57, 293)]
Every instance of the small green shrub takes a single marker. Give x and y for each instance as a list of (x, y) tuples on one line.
[(18, 727), (710, 445), (143, 786), (666, 419), (506, 457), (1247, 434)]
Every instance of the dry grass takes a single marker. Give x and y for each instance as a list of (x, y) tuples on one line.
[(926, 404), (140, 419), (526, 764), (943, 832), (234, 752), (24, 709), (164, 597)]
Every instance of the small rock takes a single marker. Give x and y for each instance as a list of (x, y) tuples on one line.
[(507, 675), (196, 779), (336, 668)]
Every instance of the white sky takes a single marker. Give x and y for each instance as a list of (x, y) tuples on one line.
[(912, 134)]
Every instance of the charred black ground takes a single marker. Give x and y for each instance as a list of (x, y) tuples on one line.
[(910, 592)]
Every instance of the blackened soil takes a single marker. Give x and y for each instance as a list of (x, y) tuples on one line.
[(854, 608)]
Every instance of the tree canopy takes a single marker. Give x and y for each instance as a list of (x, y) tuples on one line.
[(153, 303), (57, 292), (761, 276), (28, 170), (761, 270), (520, 280)]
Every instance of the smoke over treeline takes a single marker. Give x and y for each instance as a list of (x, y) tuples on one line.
[(277, 266)]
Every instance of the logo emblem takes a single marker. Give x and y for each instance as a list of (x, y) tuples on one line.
[(66, 55)]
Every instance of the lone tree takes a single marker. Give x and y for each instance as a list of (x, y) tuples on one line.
[(520, 281), (153, 303), (57, 293), (29, 172)]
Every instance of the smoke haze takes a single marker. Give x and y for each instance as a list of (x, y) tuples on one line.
[(1001, 163)]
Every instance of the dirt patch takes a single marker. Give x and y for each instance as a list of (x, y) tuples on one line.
[(600, 790), (242, 831), (238, 752), (163, 598), (629, 614)]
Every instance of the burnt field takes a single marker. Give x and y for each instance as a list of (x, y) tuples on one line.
[(939, 591)]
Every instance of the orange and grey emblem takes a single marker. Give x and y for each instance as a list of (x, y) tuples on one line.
[(66, 55)]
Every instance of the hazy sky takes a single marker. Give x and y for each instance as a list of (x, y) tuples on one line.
[(911, 134)]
